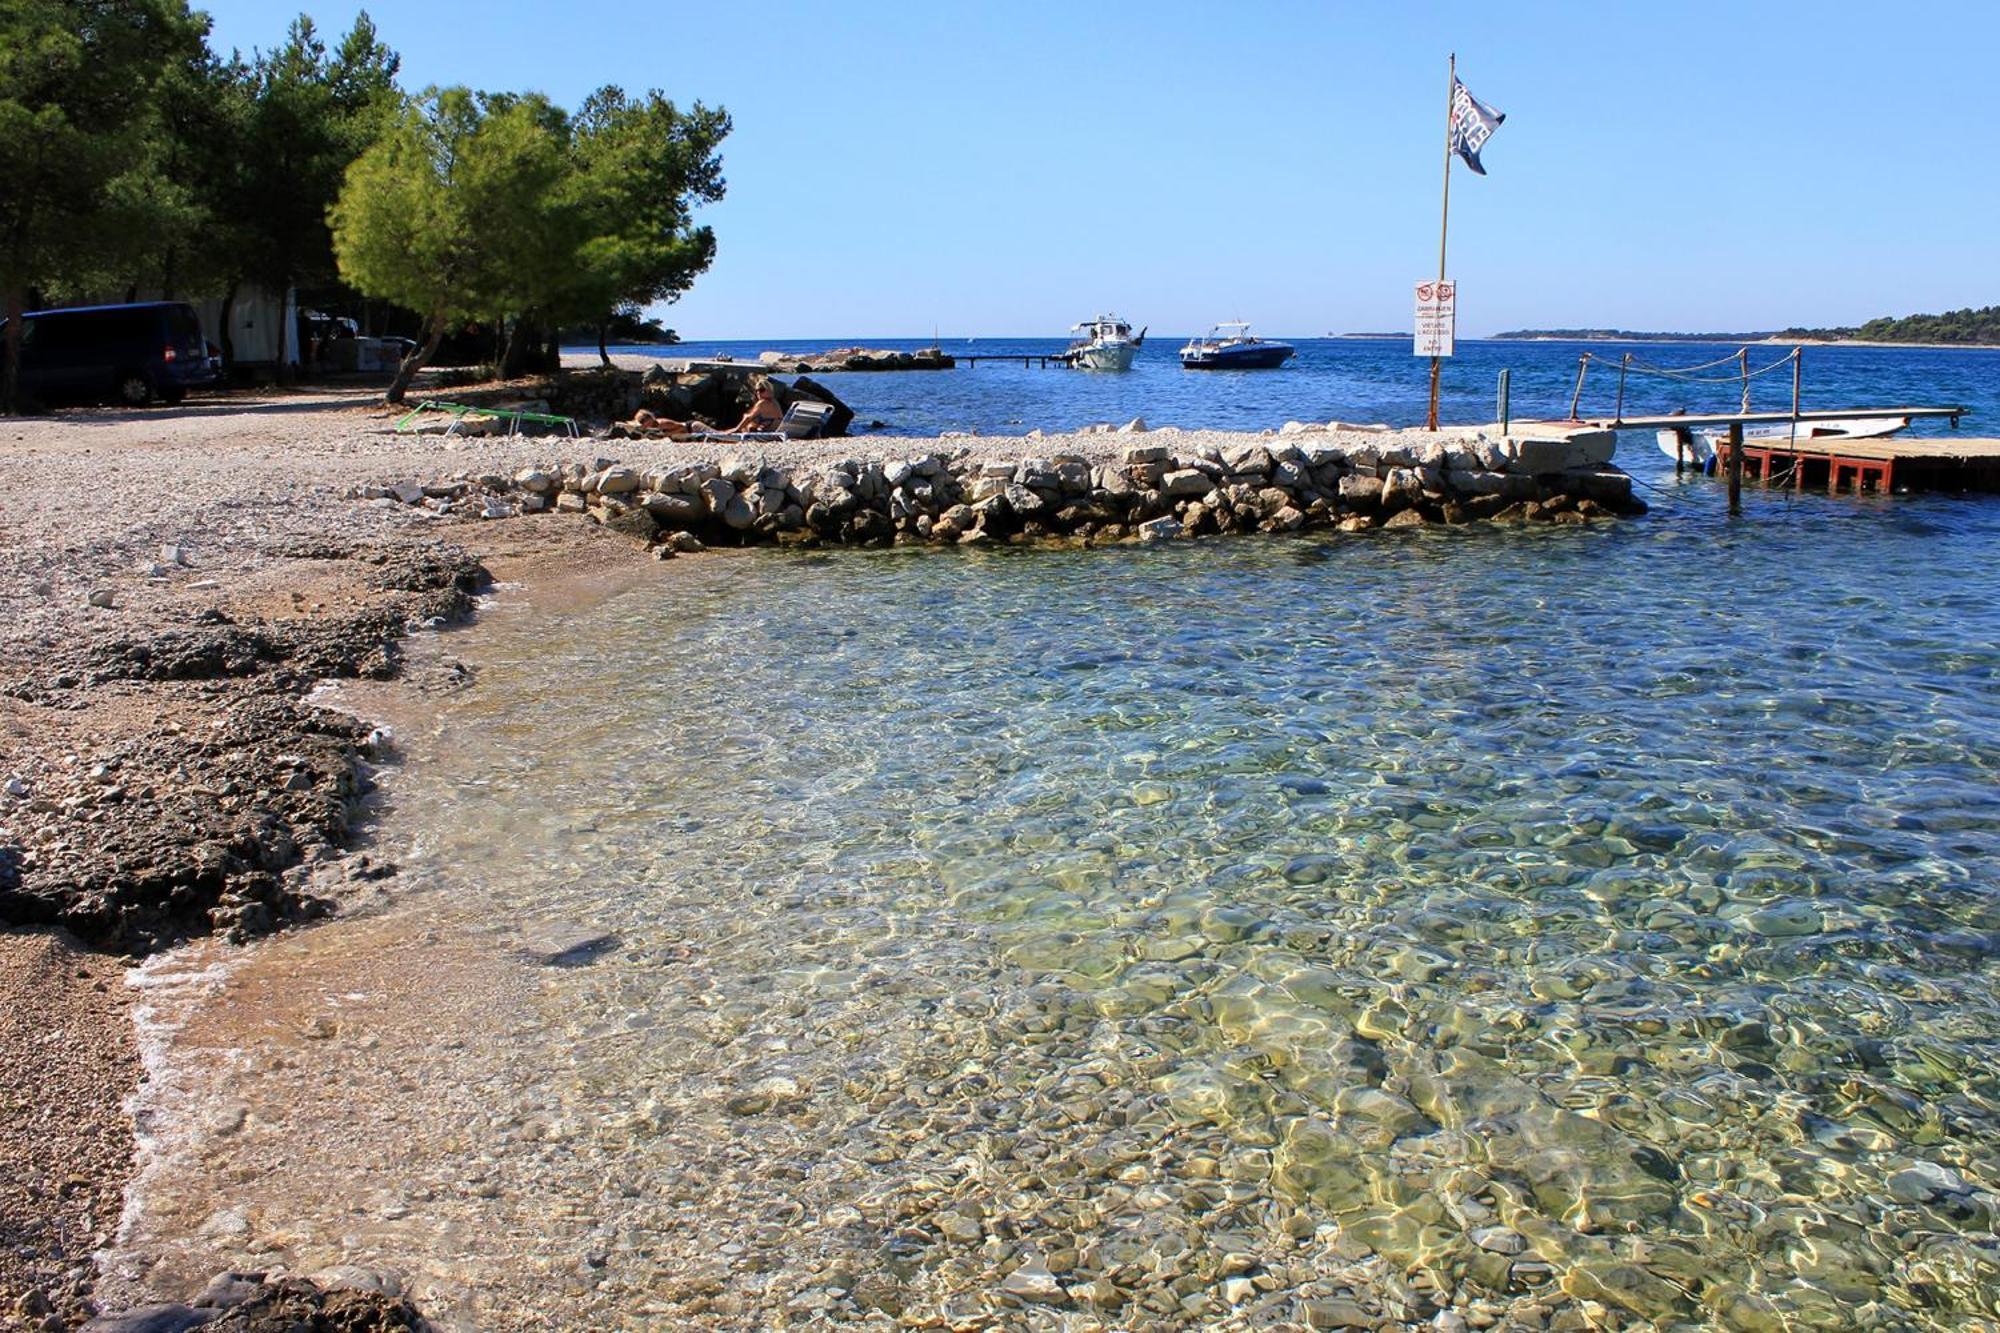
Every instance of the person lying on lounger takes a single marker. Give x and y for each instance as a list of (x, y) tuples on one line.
[(645, 420)]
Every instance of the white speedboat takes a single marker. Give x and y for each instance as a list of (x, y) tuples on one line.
[(1104, 343), (1698, 445)]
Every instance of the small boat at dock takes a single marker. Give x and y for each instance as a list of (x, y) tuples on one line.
[(1230, 347), (1698, 446), (1104, 343)]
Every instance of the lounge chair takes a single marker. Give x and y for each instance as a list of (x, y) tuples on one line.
[(803, 420)]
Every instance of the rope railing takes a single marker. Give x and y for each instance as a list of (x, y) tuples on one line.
[(1628, 364)]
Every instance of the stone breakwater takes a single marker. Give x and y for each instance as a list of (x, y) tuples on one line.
[(1285, 482)]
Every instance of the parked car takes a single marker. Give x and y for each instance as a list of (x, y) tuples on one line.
[(129, 354)]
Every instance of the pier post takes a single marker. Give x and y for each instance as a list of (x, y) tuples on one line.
[(1506, 406), (1736, 466), (1623, 366), (1582, 364), (1798, 355)]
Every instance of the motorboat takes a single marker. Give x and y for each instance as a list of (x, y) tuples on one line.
[(1230, 347), (1104, 343), (1698, 445)]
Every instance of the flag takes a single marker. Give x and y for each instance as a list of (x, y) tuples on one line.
[(1472, 124)]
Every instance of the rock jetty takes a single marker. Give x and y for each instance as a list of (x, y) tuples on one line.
[(1300, 479)]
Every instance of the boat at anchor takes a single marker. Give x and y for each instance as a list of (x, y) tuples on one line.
[(1104, 343), (1230, 347)]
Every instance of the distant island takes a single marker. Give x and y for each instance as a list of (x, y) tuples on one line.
[(1968, 327)]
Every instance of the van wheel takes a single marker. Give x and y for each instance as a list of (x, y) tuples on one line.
[(134, 389)]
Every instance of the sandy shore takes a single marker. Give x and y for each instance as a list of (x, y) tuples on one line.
[(250, 492)]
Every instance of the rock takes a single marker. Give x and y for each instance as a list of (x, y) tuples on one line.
[(569, 502), (1792, 917), (148, 1319), (1136, 426), (1187, 481), (534, 479), (1148, 453), (494, 507), (1032, 1281), (1158, 530), (1338, 1313), (957, 1226), (408, 492), (686, 543), (1407, 518), (1500, 1240), (173, 555), (617, 481), (1923, 1181), (1360, 491), (676, 511)]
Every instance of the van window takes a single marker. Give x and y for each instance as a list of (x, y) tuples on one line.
[(55, 333), (182, 323)]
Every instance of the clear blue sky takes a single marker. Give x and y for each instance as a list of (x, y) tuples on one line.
[(992, 170)]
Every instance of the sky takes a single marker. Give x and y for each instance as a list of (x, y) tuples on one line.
[(976, 169)]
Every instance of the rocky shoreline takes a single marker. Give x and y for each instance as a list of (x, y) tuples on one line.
[(1303, 479), (186, 580)]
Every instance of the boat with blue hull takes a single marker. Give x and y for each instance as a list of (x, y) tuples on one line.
[(1230, 347)]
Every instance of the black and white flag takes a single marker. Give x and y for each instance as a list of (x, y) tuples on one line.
[(1472, 124)]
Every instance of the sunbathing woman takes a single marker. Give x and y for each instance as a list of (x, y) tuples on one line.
[(645, 420), (764, 413)]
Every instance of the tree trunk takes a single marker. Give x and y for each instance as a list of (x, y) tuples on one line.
[(513, 358), (415, 361), (10, 376), (603, 337), (228, 342)]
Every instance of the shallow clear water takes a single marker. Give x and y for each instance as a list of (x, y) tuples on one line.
[(1485, 919)]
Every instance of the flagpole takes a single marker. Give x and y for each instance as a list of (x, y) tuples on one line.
[(1444, 226)]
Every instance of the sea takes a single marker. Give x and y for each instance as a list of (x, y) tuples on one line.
[(1367, 380), (1511, 925)]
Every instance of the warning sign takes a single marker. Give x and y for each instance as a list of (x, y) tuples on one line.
[(1437, 317)]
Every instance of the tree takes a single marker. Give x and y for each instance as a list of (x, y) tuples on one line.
[(79, 84), (310, 115), (641, 167), (431, 215)]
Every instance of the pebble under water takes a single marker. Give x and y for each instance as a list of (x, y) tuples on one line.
[(1501, 926)]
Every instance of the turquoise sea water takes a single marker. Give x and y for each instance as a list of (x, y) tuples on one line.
[(1492, 921)]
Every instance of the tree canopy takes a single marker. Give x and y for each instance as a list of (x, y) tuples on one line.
[(79, 140), (473, 204), (135, 156)]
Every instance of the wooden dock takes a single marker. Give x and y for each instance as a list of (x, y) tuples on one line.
[(1881, 465)]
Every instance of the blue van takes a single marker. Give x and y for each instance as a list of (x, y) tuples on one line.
[(130, 354)]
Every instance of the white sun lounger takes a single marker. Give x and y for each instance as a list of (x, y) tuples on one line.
[(803, 420)]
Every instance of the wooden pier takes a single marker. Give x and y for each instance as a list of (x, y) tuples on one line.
[(1025, 358), (1881, 465)]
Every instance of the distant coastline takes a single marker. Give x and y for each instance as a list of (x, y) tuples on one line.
[(1955, 328), (1813, 339)]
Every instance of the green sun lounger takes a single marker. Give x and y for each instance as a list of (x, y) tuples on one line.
[(459, 411)]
